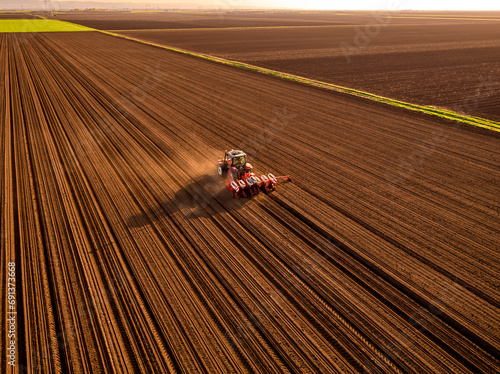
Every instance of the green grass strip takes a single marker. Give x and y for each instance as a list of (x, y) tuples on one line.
[(431, 110), (39, 25)]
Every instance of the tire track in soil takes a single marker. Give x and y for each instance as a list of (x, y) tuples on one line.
[(396, 298), (8, 194), (58, 243), (449, 344), (40, 317), (118, 187), (111, 292)]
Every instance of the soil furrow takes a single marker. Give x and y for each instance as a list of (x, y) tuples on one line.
[(133, 257)]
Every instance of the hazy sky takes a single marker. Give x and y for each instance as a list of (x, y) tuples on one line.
[(303, 4), (340, 4), (377, 4)]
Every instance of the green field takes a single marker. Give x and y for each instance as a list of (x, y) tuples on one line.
[(39, 25)]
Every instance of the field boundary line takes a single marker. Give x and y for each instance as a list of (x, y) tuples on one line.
[(430, 110)]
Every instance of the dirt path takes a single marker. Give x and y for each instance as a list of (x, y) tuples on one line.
[(131, 257)]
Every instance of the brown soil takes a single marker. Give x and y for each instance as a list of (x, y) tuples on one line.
[(381, 256), (451, 66), (17, 16), (219, 18)]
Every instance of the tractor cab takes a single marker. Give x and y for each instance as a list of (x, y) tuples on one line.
[(232, 159), (237, 159)]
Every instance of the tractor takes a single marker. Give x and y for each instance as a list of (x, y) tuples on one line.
[(241, 180)]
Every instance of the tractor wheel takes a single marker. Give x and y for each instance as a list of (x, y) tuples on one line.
[(221, 170)]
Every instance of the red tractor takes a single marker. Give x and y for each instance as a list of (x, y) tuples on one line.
[(241, 180)]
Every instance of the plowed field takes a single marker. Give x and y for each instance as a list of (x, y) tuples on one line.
[(130, 256), (13, 15), (220, 17), (455, 66)]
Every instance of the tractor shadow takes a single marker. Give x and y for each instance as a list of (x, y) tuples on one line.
[(203, 197)]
